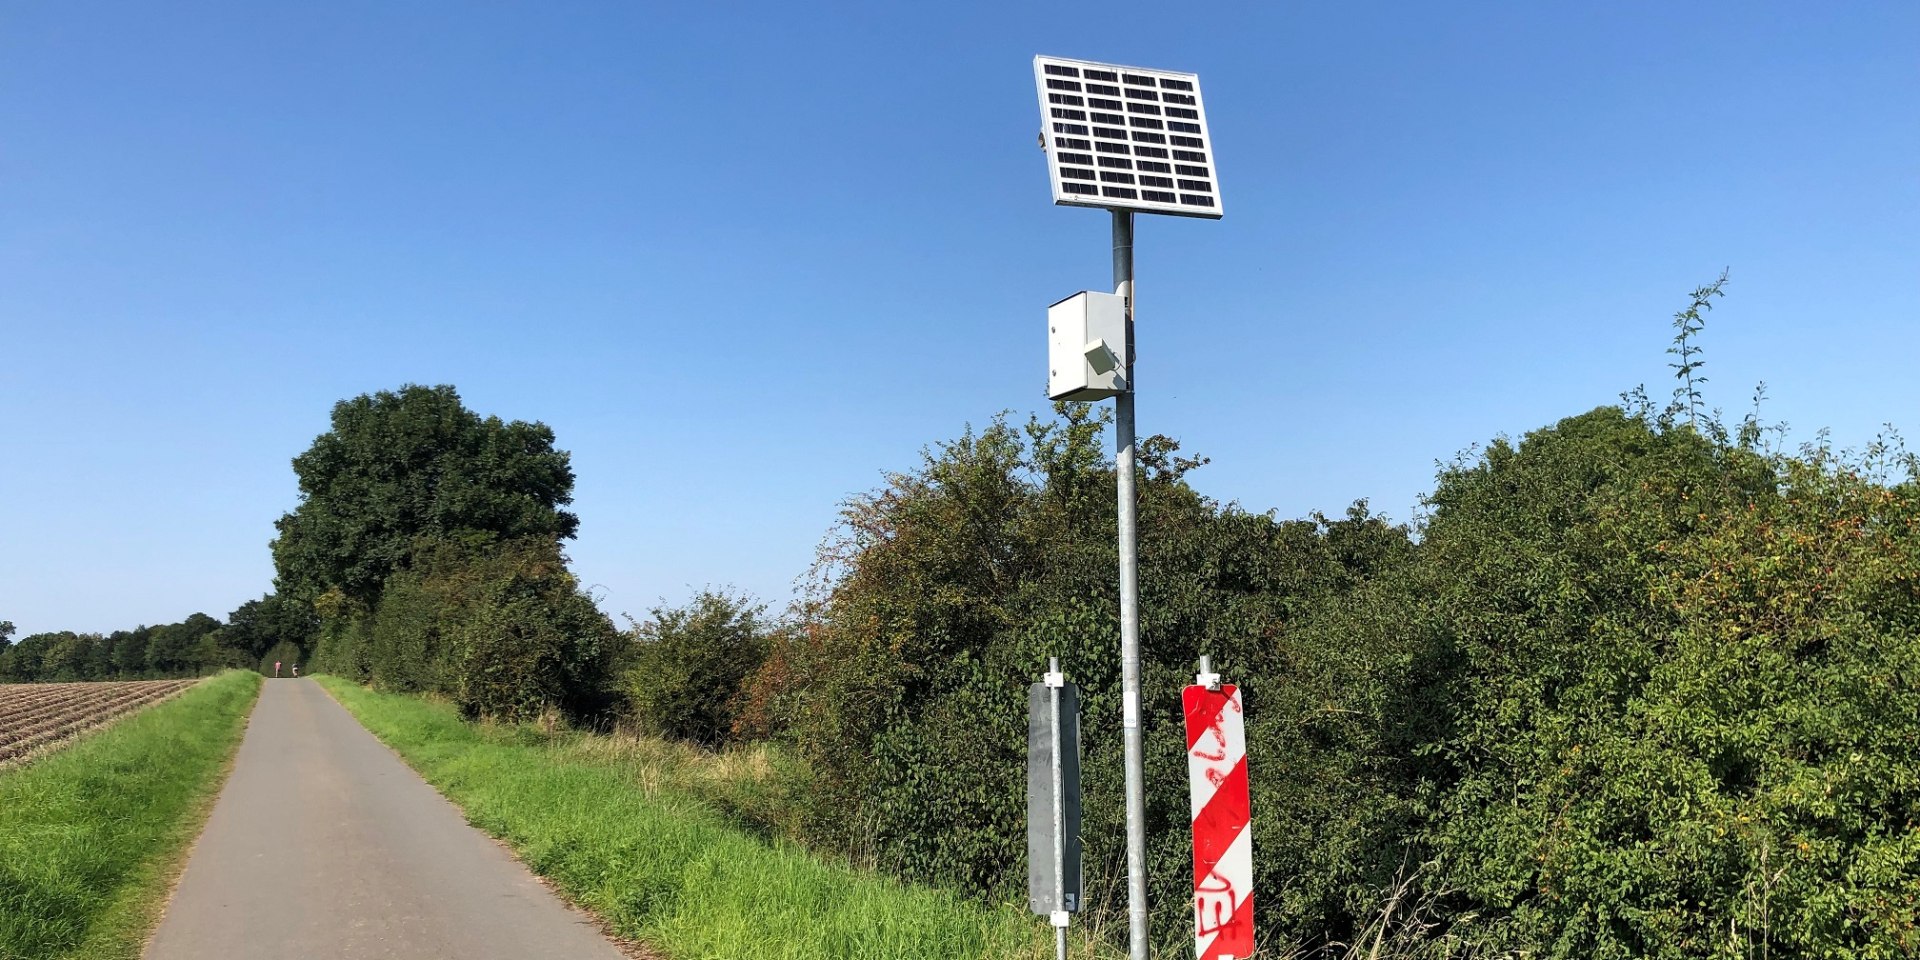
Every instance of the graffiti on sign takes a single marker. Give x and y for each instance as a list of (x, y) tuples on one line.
[(1222, 837)]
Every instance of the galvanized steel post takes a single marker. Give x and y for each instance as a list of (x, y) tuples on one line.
[(1123, 461), (1055, 680)]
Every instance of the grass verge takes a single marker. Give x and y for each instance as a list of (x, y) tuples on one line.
[(91, 836), (667, 869)]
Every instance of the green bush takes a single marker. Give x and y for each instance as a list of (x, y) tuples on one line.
[(504, 629), (1682, 726), (408, 638), (527, 647), (1639, 690), (342, 645), (944, 597), (687, 664)]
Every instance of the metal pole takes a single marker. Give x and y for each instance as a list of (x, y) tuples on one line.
[(1054, 681), (1130, 608)]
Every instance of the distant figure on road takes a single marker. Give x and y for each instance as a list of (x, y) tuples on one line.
[(296, 669), (276, 668)]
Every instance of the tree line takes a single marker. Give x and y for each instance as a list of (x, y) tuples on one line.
[(254, 636)]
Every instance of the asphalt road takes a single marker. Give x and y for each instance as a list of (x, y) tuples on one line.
[(323, 844)]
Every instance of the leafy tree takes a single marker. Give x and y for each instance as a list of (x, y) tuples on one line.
[(414, 466)]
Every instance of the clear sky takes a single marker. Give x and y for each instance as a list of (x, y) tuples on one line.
[(743, 258)]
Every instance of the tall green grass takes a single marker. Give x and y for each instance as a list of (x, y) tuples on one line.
[(666, 868), (90, 836)]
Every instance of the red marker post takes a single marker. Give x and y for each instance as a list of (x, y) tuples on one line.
[(1222, 832)]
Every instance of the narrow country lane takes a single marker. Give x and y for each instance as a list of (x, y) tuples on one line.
[(323, 844)]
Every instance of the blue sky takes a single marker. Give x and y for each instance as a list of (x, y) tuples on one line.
[(745, 258)]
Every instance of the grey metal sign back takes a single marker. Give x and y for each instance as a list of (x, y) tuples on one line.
[(1053, 800)]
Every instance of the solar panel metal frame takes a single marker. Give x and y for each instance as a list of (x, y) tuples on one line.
[(1094, 174)]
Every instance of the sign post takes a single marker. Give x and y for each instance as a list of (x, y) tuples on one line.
[(1222, 831), (1053, 801)]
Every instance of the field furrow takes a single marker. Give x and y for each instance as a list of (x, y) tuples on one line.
[(35, 715)]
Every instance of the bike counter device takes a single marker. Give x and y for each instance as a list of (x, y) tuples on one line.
[(1126, 140)]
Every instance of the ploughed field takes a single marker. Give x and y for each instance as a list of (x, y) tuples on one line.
[(34, 715)]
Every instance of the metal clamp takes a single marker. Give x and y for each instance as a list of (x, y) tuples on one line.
[(1206, 677)]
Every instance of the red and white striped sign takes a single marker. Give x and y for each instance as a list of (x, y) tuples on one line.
[(1222, 837)]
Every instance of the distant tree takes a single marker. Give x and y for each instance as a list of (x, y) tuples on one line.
[(26, 661), (259, 625), (130, 650), (175, 648), (6, 635), (415, 465), (212, 652)]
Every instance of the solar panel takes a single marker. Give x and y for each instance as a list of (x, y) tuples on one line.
[(1132, 117)]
